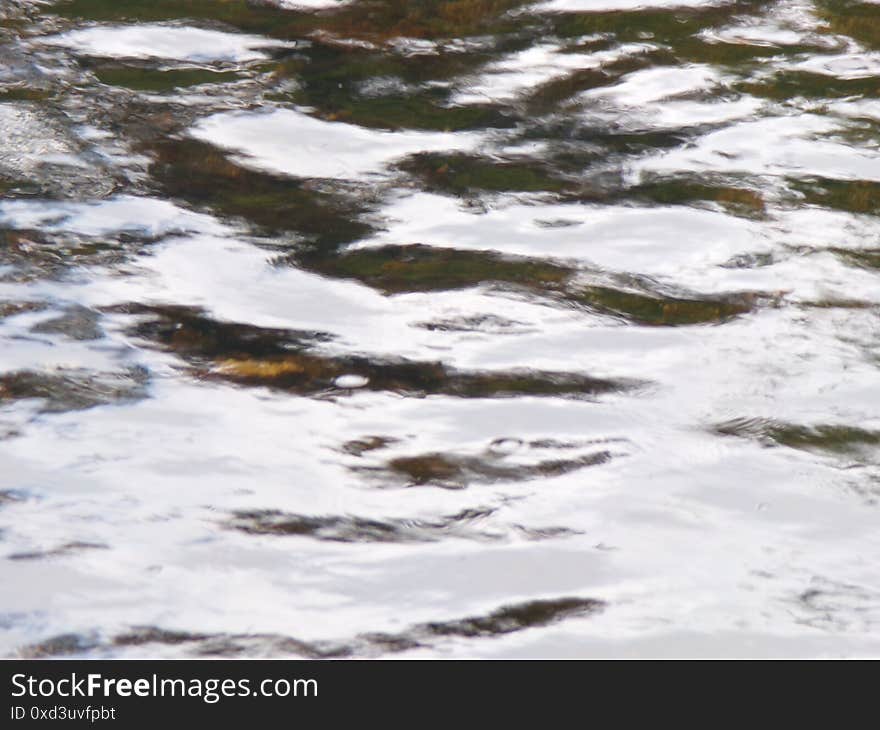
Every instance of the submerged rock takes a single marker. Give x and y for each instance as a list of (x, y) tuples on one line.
[(36, 148)]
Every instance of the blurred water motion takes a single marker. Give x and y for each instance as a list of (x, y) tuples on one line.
[(450, 328)]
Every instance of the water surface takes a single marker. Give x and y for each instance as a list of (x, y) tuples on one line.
[(471, 328)]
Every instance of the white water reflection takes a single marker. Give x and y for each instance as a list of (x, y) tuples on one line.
[(293, 143), (148, 216), (844, 66), (527, 70), (172, 42), (798, 145), (664, 98), (596, 6), (604, 236)]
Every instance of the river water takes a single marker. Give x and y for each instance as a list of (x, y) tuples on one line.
[(431, 329)]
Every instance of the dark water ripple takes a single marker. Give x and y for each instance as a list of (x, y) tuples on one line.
[(452, 328)]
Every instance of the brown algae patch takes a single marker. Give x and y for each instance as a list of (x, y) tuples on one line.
[(452, 471), (202, 175), (851, 196), (352, 529), (61, 551), (397, 269), (290, 361), (823, 438), (659, 311), (412, 268), (260, 369), (313, 374), (508, 619)]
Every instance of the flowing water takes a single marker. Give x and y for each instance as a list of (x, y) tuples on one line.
[(439, 328)]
